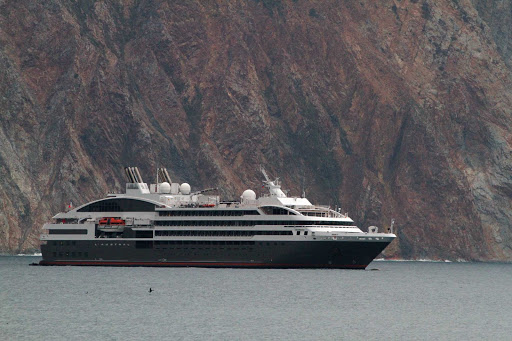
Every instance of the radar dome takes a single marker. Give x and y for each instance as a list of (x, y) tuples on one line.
[(165, 187), (185, 188), (248, 194)]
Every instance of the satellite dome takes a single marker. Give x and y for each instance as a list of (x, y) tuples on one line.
[(165, 187), (185, 188), (248, 194)]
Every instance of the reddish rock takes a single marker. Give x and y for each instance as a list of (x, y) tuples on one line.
[(389, 109)]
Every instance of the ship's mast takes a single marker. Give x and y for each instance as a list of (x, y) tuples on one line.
[(264, 173), (273, 186)]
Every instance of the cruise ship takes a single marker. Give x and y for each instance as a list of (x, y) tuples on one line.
[(168, 224)]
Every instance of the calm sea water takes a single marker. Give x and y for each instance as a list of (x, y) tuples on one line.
[(401, 301)]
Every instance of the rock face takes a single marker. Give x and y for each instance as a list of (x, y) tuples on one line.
[(389, 109)]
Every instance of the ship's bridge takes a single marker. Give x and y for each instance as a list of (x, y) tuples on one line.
[(291, 202)]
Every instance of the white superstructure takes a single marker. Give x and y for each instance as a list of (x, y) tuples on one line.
[(168, 213)]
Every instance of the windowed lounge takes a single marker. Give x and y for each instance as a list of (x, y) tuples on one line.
[(119, 205)]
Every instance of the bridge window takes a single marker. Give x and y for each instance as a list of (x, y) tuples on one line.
[(272, 210)]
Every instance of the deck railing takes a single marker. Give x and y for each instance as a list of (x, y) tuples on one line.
[(320, 211)]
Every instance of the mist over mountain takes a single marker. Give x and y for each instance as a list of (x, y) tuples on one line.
[(388, 109)]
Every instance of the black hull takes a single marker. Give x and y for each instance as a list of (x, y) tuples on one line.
[(272, 254)]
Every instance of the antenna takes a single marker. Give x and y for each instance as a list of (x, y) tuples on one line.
[(303, 183), (273, 186), (264, 173), (303, 186)]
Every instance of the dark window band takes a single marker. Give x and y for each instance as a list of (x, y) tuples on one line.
[(144, 234), (207, 213), (67, 231), (204, 242), (226, 233), (119, 205), (246, 222), (149, 244)]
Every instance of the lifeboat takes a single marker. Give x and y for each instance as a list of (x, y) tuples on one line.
[(207, 205), (112, 221), (111, 225), (116, 221)]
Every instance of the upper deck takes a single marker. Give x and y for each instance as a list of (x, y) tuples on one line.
[(168, 199)]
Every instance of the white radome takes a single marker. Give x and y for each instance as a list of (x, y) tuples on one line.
[(185, 188), (248, 194), (165, 187)]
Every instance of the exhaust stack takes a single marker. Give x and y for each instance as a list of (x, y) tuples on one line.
[(133, 175), (135, 185), (163, 175), (129, 175)]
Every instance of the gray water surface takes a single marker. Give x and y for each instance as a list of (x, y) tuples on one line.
[(401, 301)]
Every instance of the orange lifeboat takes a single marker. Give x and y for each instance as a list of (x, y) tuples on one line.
[(116, 221), (111, 221)]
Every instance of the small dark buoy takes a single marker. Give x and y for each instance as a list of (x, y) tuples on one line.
[(151, 290)]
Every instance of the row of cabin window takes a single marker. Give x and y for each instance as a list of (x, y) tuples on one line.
[(157, 243), (269, 210), (246, 223), (70, 254), (206, 233), (192, 251), (201, 242), (67, 231), (316, 214), (209, 213), (62, 243)]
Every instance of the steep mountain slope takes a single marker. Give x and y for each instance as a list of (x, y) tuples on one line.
[(390, 109)]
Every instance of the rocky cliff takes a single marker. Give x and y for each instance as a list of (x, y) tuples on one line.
[(390, 109)]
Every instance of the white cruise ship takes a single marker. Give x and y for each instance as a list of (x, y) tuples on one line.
[(167, 224)]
